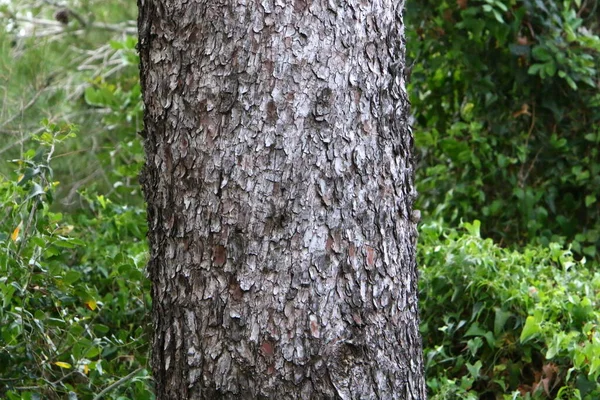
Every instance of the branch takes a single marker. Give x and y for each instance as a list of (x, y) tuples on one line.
[(127, 28), (117, 383)]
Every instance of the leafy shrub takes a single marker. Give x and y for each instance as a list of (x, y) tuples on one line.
[(73, 297), (506, 105), (497, 321), (507, 117), (52, 70)]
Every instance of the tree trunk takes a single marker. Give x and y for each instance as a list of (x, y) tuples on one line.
[(279, 183)]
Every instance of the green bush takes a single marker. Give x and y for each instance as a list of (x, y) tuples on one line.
[(507, 126), (73, 296), (59, 72), (523, 324), (507, 117)]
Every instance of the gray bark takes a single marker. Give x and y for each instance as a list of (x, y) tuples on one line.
[(279, 184)]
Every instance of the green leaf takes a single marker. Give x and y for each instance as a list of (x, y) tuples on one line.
[(500, 319), (541, 53), (550, 68), (571, 82), (101, 329), (474, 228), (36, 190), (535, 69), (474, 368), (531, 328), (71, 277), (93, 352), (590, 251), (498, 16)]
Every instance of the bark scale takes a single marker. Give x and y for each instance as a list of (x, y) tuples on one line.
[(279, 184)]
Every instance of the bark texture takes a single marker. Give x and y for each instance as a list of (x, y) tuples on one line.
[(279, 183)]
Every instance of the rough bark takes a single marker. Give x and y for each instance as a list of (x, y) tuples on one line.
[(279, 183)]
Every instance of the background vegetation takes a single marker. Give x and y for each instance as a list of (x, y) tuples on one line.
[(506, 113)]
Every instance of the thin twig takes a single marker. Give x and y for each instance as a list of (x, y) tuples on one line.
[(522, 175), (69, 199), (117, 383), (22, 140), (25, 108), (128, 27), (582, 9)]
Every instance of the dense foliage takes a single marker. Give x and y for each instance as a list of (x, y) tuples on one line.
[(507, 125), (497, 321), (507, 116), (73, 298), (506, 107)]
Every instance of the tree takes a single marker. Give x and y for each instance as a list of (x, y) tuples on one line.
[(279, 184)]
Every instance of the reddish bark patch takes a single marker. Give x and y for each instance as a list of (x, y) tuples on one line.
[(314, 329), (337, 240), (267, 349), (183, 147), (219, 255), (356, 94), (300, 6), (269, 66), (170, 222), (328, 243), (235, 291), (370, 256), (272, 115), (168, 158)]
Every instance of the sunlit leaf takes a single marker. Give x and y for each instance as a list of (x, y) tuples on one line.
[(530, 329), (62, 364), (15, 234), (91, 304)]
